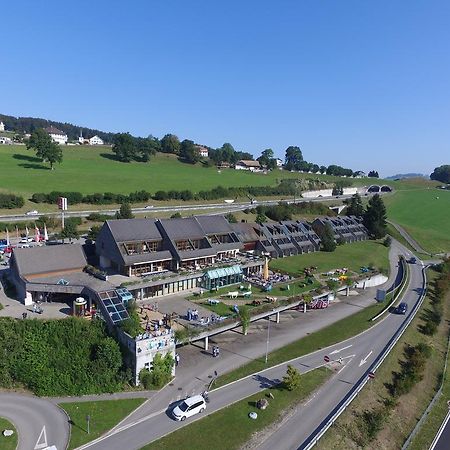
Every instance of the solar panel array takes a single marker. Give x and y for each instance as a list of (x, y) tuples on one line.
[(114, 306)]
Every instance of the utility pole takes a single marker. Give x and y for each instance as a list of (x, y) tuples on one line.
[(268, 338)]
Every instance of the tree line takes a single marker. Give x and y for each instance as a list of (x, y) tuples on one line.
[(24, 125)]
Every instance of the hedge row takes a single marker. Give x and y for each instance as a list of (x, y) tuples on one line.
[(11, 201), (106, 198), (285, 187)]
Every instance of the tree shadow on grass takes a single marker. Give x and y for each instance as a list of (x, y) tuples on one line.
[(75, 425), (110, 156), (34, 166), (26, 158)]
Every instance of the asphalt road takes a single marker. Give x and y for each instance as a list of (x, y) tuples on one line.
[(443, 437), (223, 207), (357, 354), (39, 422)]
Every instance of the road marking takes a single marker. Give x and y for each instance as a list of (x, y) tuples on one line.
[(118, 430), (364, 360), (345, 365), (340, 350), (44, 444)]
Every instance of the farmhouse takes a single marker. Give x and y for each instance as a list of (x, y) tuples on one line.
[(57, 136), (203, 151), (95, 140), (248, 164)]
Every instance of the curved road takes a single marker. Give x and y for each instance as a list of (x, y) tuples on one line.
[(39, 422), (357, 353)]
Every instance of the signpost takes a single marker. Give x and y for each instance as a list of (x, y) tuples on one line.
[(326, 358), (371, 375), (88, 420), (62, 205)]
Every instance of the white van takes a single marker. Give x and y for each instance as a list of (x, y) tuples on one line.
[(189, 407)]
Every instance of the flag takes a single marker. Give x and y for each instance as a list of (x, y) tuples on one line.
[(37, 236), (17, 233), (27, 230), (45, 233), (7, 237)]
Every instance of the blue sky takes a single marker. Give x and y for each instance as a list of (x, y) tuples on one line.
[(362, 84)]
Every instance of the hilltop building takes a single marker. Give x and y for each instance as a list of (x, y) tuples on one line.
[(57, 136)]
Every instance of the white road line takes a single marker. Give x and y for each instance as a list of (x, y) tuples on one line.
[(341, 349), (43, 444), (364, 360)]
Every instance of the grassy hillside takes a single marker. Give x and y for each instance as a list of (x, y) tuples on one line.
[(93, 169), (425, 214)]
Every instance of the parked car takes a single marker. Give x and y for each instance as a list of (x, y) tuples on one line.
[(189, 407), (23, 246), (402, 308), (31, 213), (25, 240)]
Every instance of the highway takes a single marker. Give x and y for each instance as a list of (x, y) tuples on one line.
[(222, 207), (357, 353)]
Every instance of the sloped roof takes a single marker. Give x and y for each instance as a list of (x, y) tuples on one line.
[(214, 224), (184, 228), (129, 230), (53, 130), (55, 258), (249, 163), (245, 231)]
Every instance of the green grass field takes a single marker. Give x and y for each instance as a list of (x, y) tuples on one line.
[(353, 256), (103, 416), (425, 214), (93, 169), (230, 428), (7, 443)]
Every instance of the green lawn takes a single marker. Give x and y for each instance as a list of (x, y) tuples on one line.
[(231, 427), (93, 169), (7, 443), (103, 416), (425, 214), (353, 256)]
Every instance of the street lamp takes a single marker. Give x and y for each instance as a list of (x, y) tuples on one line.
[(268, 337)]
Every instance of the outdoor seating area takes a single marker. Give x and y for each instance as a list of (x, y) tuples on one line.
[(258, 279), (155, 323)]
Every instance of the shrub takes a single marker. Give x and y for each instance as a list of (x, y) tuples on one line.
[(161, 195), (292, 379), (10, 201)]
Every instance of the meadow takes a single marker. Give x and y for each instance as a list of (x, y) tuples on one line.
[(352, 256), (94, 169), (425, 214)]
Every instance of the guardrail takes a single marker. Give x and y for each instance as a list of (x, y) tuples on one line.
[(396, 290), (339, 409)]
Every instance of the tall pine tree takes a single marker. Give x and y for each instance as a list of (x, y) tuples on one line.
[(355, 206), (375, 217)]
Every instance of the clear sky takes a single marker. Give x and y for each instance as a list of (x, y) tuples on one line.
[(362, 84)]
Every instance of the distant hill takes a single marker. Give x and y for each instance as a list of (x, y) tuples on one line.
[(29, 124), (400, 176)]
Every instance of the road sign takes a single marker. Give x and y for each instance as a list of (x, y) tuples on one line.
[(326, 358), (371, 375)]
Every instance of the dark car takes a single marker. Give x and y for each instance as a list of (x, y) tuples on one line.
[(412, 260), (402, 308)]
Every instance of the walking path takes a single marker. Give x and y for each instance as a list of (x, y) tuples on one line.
[(411, 241)]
